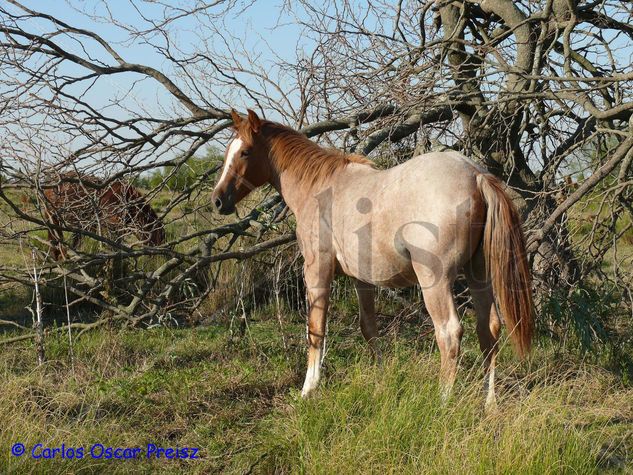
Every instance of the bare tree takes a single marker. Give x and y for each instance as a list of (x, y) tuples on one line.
[(537, 90)]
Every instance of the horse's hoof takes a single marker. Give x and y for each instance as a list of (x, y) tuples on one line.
[(490, 406), (446, 391), (308, 390), (377, 358)]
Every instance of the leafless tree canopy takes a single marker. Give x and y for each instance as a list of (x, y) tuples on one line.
[(537, 90)]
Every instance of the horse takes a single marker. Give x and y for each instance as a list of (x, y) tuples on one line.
[(421, 222), (85, 203)]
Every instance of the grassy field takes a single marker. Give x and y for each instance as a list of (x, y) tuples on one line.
[(236, 399)]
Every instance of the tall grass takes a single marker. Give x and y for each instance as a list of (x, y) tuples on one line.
[(238, 401), (391, 420)]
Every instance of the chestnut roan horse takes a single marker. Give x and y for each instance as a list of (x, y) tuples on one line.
[(89, 204), (422, 222)]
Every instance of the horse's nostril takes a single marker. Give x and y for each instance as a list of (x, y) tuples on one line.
[(218, 203)]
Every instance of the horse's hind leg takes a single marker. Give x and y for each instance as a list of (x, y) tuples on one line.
[(488, 323), (366, 304), (438, 298)]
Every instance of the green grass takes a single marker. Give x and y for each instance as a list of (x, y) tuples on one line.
[(237, 399), (391, 420)]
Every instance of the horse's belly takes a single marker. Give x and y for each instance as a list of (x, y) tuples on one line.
[(384, 269)]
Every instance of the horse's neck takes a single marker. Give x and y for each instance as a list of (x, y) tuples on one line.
[(295, 194), (304, 200)]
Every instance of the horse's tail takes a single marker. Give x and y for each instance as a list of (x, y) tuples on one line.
[(506, 261)]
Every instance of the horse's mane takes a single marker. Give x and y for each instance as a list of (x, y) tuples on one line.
[(293, 152), (94, 184)]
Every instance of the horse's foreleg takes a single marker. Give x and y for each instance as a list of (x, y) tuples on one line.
[(488, 322), (318, 299), (55, 238), (368, 328)]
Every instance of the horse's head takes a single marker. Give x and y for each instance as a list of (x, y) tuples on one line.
[(246, 163), (152, 229), (156, 232), (141, 215)]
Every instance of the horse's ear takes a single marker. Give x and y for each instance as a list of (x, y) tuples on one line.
[(254, 121), (237, 120)]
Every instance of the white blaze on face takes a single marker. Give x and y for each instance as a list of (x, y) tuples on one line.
[(234, 147)]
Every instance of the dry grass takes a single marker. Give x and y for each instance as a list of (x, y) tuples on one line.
[(237, 400)]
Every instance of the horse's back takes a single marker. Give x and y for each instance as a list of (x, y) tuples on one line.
[(438, 170), (429, 187), (82, 203)]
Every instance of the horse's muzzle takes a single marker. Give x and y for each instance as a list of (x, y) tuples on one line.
[(224, 205)]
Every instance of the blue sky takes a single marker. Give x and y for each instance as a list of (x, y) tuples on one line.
[(260, 20)]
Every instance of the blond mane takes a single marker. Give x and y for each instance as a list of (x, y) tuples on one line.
[(293, 152)]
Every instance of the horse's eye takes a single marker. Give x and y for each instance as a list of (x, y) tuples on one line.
[(246, 153)]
